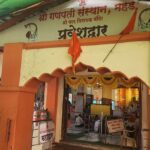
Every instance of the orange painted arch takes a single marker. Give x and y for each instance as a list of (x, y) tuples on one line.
[(34, 82), (52, 80)]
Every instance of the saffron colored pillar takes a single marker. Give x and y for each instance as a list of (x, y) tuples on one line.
[(16, 103)]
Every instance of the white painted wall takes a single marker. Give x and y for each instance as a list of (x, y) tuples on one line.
[(47, 30), (131, 58)]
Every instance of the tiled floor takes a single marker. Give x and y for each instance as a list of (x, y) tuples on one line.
[(83, 135), (77, 146)]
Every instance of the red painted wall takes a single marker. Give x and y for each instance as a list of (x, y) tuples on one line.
[(16, 104)]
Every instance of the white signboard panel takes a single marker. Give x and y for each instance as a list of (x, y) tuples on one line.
[(115, 125), (46, 131), (87, 18)]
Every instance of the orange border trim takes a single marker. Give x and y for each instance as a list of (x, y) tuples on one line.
[(139, 36), (17, 89)]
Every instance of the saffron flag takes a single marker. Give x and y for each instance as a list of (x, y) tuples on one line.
[(74, 49), (129, 28)]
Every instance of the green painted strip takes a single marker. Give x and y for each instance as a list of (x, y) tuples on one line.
[(8, 6)]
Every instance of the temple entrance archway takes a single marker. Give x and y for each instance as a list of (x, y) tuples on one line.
[(110, 82)]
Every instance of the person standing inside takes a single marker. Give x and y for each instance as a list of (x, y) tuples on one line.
[(79, 121)]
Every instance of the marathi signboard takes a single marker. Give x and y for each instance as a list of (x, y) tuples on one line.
[(87, 18), (46, 131), (115, 125)]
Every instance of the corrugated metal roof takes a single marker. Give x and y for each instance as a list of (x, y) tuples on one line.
[(9, 6), (14, 11)]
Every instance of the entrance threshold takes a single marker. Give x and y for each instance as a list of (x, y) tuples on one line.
[(87, 146)]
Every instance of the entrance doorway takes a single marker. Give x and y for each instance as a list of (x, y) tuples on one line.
[(99, 108)]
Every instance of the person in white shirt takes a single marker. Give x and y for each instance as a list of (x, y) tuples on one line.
[(133, 106), (96, 123), (79, 121)]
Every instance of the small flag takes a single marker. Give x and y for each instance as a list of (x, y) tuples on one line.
[(129, 28), (74, 49)]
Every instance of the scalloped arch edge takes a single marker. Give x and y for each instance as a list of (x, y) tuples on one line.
[(58, 72)]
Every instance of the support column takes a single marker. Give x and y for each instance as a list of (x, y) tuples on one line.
[(16, 103), (145, 118), (16, 109), (52, 94), (11, 64)]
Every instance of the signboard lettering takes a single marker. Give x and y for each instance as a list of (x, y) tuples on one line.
[(46, 131), (116, 125)]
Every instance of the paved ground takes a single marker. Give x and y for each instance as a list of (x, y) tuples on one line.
[(77, 146)]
